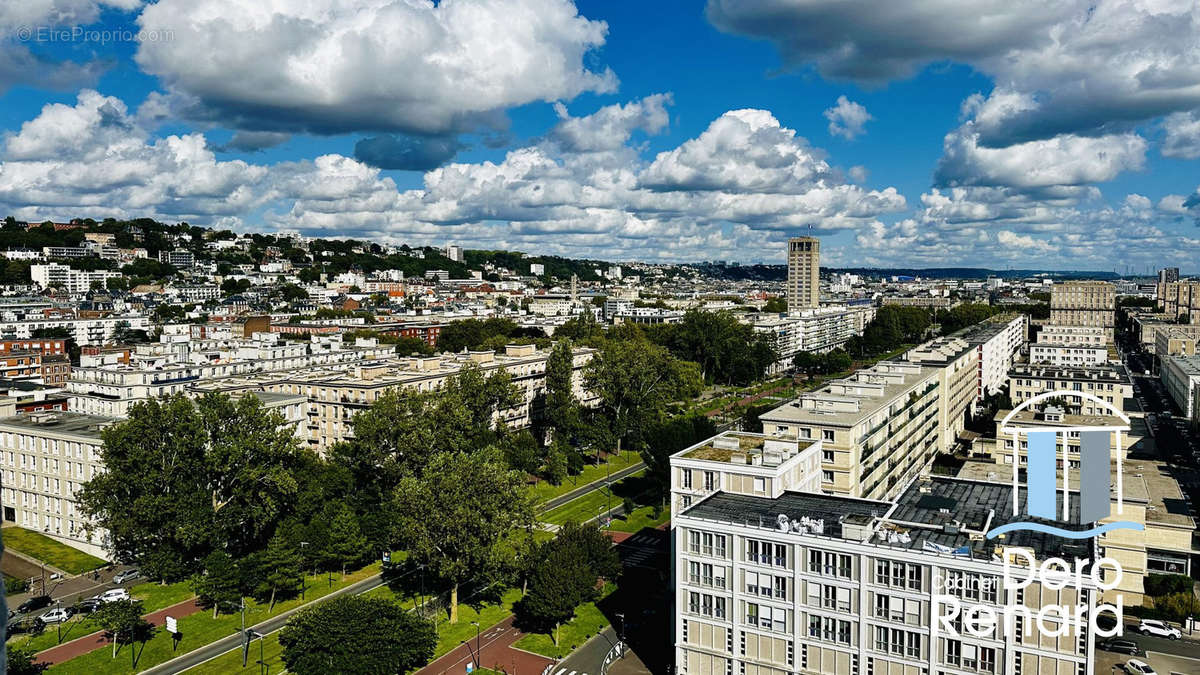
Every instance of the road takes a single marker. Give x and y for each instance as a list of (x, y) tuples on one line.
[(215, 649), (590, 487)]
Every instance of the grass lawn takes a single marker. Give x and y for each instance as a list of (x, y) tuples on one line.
[(43, 548), (593, 503), (587, 622), (231, 662), (200, 629), (450, 635), (642, 517), (544, 491)]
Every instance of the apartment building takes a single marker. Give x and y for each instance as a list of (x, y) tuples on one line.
[(1063, 354), (46, 456), (45, 346), (1176, 340), (744, 463), (54, 275), (812, 583), (110, 384), (812, 330), (1092, 336), (878, 427), (1181, 376), (95, 331), (1110, 383), (1084, 303), (804, 273), (998, 341), (177, 258), (1179, 299), (957, 363), (927, 301), (336, 393)]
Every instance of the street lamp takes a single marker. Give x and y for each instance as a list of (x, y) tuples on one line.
[(478, 656), (58, 607), (303, 558)]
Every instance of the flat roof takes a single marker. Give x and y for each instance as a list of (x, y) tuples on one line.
[(764, 511), (59, 422), (867, 404)]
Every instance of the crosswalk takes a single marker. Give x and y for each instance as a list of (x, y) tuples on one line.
[(563, 671), (644, 539), (640, 549)]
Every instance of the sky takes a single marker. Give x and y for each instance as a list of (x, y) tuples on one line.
[(986, 133)]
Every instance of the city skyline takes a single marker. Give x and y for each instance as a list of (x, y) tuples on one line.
[(746, 131)]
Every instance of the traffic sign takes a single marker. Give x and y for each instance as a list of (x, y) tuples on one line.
[(172, 625)]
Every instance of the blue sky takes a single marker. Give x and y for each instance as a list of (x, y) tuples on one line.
[(1000, 134)]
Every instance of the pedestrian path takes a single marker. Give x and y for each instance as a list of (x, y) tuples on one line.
[(493, 649), (93, 641)]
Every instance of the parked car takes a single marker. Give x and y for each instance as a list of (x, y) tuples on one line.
[(1159, 629), (34, 603), (1136, 667), (1121, 646), (57, 615), (26, 625), (127, 575), (113, 595), (88, 606)]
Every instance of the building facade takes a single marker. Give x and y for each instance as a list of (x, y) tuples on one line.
[(804, 273), (1181, 377), (1084, 303)]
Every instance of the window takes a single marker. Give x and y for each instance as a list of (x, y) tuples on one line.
[(827, 476), (686, 475), (781, 587), (710, 480), (694, 542), (827, 456), (719, 546), (694, 572), (827, 434)]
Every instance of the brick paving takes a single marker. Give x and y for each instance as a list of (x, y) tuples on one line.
[(496, 652)]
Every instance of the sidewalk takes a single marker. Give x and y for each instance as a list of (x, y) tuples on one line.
[(497, 653), (94, 641)]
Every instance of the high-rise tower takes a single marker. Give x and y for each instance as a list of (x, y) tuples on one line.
[(804, 267)]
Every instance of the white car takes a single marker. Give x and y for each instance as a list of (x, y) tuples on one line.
[(1136, 667), (56, 615), (1158, 629), (113, 595)]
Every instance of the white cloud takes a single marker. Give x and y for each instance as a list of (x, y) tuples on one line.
[(611, 127), (329, 66), (1182, 135), (846, 119)]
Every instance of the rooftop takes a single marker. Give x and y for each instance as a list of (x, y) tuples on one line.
[(848, 401), (69, 423), (765, 511), (744, 448)]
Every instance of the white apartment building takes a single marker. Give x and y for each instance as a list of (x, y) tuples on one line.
[(1072, 335), (1109, 383), (744, 463), (1181, 376), (45, 458), (1084, 303), (336, 393), (998, 342), (84, 331), (812, 583), (70, 280), (103, 386), (878, 428), (813, 330), (957, 362), (1067, 354)]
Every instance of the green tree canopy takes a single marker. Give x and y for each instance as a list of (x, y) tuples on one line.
[(356, 634), (454, 517)]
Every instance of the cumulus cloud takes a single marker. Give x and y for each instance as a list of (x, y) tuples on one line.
[(847, 118), (1076, 66), (742, 184), (611, 127), (1182, 135), (250, 141), (408, 66), (94, 157)]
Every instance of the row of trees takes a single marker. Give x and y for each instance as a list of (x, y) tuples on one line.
[(562, 574)]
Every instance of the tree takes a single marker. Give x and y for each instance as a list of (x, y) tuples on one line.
[(668, 437), (346, 541), (185, 478), (21, 662), (561, 410), (635, 379), (123, 624), (454, 517), (563, 574), (560, 582), (775, 305), (356, 634), (522, 452), (220, 583), (279, 567)]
